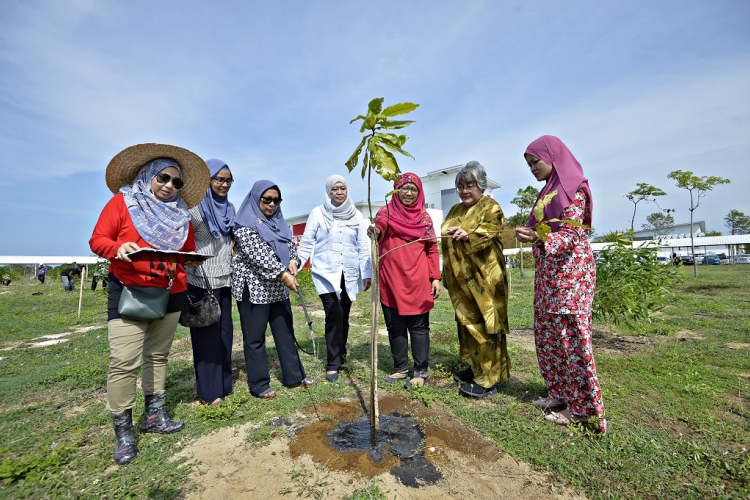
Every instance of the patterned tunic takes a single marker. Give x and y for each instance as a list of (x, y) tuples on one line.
[(257, 266), (474, 274), (564, 282), (217, 269)]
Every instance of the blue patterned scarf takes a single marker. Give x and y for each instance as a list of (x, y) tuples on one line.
[(163, 224), (216, 211), (274, 231)]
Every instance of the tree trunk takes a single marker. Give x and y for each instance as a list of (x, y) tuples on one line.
[(374, 412), (521, 254), (692, 241)]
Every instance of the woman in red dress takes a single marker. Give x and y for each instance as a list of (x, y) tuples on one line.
[(409, 276)]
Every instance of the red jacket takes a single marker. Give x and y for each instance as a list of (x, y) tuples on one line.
[(114, 228)]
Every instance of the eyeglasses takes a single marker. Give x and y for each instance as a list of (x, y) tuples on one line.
[(467, 187), (412, 190), (223, 180), (268, 200), (165, 178)]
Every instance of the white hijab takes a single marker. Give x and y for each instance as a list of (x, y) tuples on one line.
[(344, 213)]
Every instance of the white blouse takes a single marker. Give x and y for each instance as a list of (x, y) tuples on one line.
[(333, 251)]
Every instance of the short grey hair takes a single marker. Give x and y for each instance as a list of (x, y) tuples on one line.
[(473, 171)]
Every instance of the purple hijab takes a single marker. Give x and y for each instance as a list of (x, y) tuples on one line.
[(216, 211), (566, 177), (274, 231)]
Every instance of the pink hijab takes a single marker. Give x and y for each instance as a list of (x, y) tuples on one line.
[(566, 177), (408, 223)]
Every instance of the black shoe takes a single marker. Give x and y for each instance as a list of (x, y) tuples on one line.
[(475, 390), (466, 375), (155, 417), (125, 448), (332, 377)]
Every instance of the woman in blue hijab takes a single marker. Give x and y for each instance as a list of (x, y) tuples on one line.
[(212, 220), (263, 272)]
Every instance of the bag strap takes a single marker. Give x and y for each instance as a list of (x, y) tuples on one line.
[(205, 279), (171, 275)]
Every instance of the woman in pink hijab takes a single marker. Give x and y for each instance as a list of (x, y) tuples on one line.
[(564, 282)]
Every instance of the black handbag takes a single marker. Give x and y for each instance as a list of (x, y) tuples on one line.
[(205, 312)]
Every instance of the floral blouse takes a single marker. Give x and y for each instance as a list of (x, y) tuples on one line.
[(257, 266), (565, 276)]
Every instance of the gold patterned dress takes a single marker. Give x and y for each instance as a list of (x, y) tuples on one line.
[(474, 274)]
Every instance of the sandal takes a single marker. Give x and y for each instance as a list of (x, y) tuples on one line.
[(305, 383), (562, 418), (267, 394), (549, 403), (215, 402), (415, 382), (397, 377)]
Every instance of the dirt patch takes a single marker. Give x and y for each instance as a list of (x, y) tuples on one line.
[(299, 460), (605, 342), (736, 346), (688, 334)]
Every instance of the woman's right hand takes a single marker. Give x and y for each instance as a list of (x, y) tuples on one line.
[(373, 231), (290, 281), (125, 249), (526, 234)]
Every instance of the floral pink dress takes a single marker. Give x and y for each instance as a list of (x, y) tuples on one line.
[(564, 284)]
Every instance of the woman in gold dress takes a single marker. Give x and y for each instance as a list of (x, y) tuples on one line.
[(474, 274)]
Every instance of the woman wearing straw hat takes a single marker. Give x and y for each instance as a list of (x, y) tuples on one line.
[(212, 220), (336, 238), (263, 272), (154, 186)]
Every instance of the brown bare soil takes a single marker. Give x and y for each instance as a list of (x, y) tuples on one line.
[(299, 461)]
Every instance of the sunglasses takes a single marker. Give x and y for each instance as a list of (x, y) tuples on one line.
[(223, 180), (165, 178), (268, 200)]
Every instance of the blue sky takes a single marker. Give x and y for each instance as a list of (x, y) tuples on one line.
[(636, 89)]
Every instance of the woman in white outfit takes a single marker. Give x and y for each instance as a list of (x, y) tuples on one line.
[(336, 239)]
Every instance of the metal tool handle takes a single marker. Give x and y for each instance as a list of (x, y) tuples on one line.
[(304, 307)]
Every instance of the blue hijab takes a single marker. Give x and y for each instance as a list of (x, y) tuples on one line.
[(163, 224), (215, 210), (274, 231)]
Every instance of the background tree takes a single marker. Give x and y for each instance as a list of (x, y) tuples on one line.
[(644, 192), (697, 187), (379, 146), (713, 233), (737, 222), (660, 223), (524, 200)]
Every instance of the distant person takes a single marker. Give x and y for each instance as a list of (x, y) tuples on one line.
[(213, 219), (68, 274), (476, 280), (564, 283), (335, 236), (154, 186), (263, 272), (42, 273), (409, 277)]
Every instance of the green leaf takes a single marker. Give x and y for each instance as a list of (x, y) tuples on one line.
[(384, 162), (543, 231), (376, 105), (402, 139), (574, 223), (352, 161), (539, 208), (400, 109), (368, 123), (360, 117), (365, 163), (393, 145), (397, 124)]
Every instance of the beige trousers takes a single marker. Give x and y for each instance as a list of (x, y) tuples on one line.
[(131, 341)]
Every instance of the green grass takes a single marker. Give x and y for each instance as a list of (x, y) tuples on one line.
[(678, 406)]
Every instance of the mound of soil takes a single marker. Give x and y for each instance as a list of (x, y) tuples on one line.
[(457, 462)]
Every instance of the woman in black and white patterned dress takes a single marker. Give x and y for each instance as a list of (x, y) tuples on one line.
[(263, 272)]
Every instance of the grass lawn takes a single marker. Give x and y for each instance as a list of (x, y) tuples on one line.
[(677, 393)]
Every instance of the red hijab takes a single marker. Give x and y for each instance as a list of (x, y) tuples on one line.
[(566, 177), (408, 223)]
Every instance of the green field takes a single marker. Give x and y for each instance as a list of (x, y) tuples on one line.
[(677, 392)]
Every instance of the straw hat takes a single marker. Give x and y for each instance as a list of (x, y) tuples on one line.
[(124, 167)]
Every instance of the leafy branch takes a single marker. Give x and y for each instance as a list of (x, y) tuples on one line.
[(542, 227)]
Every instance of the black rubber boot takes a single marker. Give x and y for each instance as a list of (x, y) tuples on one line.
[(125, 448), (155, 417)]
